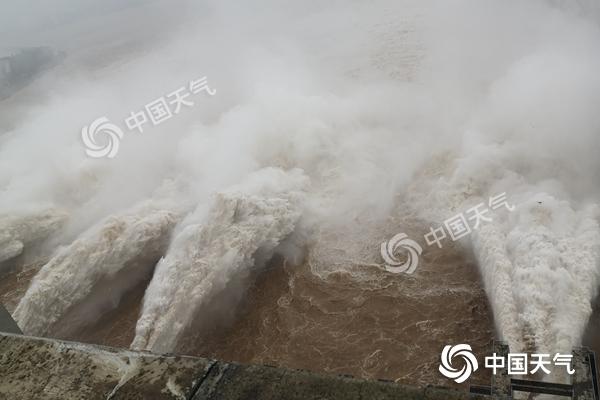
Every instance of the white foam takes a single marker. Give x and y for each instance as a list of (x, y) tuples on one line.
[(492, 96), (18, 231), (540, 263), (541, 268), (98, 254), (213, 249)]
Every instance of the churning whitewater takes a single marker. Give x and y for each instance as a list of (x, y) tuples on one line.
[(326, 116), (105, 252), (215, 250)]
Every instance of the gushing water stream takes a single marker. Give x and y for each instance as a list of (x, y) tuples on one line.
[(333, 128)]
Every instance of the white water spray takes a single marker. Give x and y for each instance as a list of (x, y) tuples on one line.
[(19, 231), (215, 250), (102, 253), (476, 97)]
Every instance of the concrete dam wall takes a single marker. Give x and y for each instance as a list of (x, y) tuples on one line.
[(46, 369)]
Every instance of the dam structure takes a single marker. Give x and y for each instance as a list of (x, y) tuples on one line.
[(34, 368), (46, 369)]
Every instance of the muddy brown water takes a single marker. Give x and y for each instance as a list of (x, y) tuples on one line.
[(390, 327)]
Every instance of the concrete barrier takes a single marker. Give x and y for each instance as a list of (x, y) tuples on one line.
[(46, 369)]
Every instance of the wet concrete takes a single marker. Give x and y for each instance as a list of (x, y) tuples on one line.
[(35, 368)]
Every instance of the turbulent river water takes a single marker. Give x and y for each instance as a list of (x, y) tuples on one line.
[(249, 226)]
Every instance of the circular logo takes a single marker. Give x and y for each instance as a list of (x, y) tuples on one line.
[(108, 147), (390, 248), (463, 351)]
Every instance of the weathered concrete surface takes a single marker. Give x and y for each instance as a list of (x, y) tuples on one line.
[(32, 368), (238, 382), (40, 369)]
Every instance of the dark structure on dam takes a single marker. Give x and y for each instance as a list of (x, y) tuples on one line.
[(584, 384), (7, 324)]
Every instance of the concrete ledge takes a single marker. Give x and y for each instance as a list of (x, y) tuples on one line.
[(229, 381), (40, 369), (32, 368)]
